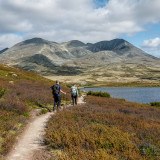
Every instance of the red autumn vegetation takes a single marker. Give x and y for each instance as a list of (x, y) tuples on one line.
[(18, 95), (105, 129)]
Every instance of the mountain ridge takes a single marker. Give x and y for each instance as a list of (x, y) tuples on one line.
[(115, 58), (3, 50)]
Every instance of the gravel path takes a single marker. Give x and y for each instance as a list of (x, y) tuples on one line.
[(31, 140)]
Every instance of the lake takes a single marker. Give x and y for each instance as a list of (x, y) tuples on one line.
[(133, 94)]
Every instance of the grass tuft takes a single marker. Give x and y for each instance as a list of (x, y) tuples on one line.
[(156, 104), (99, 94)]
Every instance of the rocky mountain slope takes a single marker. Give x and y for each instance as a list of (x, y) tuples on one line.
[(76, 58), (3, 50)]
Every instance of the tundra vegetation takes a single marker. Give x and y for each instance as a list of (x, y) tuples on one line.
[(99, 94), (157, 104), (105, 128), (20, 93), (102, 128)]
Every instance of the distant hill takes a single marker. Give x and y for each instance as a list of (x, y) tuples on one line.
[(60, 54), (75, 57), (3, 50)]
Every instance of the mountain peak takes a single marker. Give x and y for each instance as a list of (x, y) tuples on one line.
[(75, 43), (108, 45), (75, 57), (36, 41)]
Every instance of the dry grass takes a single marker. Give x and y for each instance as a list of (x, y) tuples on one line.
[(89, 79), (115, 75), (18, 95), (106, 128)]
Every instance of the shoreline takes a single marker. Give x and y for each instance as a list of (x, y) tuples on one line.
[(118, 87)]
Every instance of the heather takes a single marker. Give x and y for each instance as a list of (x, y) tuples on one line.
[(99, 94), (20, 93), (156, 104), (105, 128)]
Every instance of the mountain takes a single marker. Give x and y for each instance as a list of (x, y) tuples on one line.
[(120, 46), (3, 50), (115, 58)]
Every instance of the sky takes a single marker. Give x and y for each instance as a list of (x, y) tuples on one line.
[(137, 21)]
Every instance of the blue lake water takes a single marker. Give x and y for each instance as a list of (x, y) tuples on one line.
[(133, 94)]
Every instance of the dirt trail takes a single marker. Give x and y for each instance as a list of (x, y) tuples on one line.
[(31, 140), (81, 99)]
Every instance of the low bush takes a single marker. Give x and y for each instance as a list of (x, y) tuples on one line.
[(43, 111), (14, 105), (108, 129), (10, 124), (99, 94), (18, 95), (156, 104), (2, 92)]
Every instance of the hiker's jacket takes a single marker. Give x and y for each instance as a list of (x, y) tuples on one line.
[(74, 91)]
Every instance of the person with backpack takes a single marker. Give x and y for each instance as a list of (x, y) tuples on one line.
[(74, 94), (56, 91)]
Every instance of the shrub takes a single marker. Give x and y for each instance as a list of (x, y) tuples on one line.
[(69, 85), (10, 124), (43, 111), (20, 92), (7, 144), (99, 94), (14, 105), (156, 104), (37, 93), (2, 92), (105, 129)]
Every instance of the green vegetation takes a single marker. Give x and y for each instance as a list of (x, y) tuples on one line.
[(43, 111), (105, 128), (2, 92), (118, 84), (99, 94), (156, 104), (20, 93)]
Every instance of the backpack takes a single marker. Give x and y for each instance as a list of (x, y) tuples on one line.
[(73, 91), (55, 89)]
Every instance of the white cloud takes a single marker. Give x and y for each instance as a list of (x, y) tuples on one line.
[(63, 20), (8, 40), (151, 44), (156, 54)]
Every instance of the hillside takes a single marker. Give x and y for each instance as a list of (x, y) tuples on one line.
[(105, 129), (101, 128), (20, 93), (3, 50), (104, 62)]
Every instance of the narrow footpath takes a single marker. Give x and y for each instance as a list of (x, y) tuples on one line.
[(32, 139)]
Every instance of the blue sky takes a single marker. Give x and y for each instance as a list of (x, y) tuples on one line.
[(151, 32), (137, 21)]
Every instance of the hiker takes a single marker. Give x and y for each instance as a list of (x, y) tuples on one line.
[(74, 94), (56, 91)]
